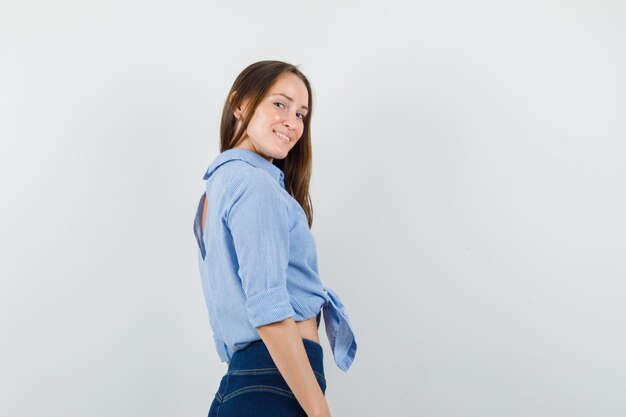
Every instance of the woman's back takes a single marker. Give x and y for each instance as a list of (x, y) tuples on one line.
[(257, 258), (307, 328)]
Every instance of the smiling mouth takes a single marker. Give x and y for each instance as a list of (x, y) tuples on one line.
[(282, 137)]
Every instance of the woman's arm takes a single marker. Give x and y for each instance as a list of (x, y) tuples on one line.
[(259, 225), (284, 342)]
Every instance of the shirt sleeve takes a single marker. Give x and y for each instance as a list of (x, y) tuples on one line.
[(259, 225)]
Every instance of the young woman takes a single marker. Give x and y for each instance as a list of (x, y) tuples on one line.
[(257, 256)]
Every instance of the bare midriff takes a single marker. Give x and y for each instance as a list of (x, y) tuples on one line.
[(308, 329)]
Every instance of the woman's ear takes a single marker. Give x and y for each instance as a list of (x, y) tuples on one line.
[(238, 113)]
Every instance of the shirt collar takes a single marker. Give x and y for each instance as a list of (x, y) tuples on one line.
[(252, 158)]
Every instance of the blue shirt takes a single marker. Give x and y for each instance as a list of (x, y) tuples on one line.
[(257, 258)]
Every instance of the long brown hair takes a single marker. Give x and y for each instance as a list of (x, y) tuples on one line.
[(252, 84)]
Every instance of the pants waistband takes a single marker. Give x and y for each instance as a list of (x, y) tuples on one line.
[(257, 356)]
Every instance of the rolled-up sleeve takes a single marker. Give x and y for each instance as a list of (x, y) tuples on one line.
[(259, 224)]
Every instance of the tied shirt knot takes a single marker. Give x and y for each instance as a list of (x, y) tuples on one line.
[(339, 330)]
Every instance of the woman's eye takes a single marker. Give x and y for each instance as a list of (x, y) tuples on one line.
[(302, 115)]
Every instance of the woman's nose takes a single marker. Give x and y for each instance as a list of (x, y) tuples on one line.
[(290, 121)]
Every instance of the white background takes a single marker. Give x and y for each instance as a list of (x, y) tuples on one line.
[(469, 192)]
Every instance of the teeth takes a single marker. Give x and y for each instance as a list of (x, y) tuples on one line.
[(283, 136)]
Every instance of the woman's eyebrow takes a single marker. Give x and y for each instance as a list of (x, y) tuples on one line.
[(290, 99)]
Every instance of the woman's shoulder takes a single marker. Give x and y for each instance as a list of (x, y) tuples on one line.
[(237, 177), (233, 169)]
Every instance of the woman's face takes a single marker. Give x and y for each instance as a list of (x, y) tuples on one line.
[(280, 112)]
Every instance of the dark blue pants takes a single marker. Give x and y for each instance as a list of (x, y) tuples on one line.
[(253, 385)]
